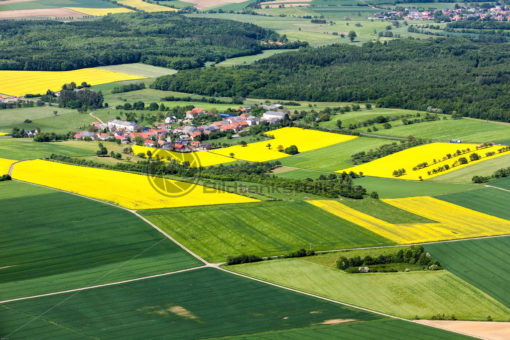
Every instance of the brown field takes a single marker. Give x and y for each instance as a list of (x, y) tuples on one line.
[(204, 4), (479, 329), (33, 13)]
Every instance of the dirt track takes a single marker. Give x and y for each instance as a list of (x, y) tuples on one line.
[(479, 329), (32, 13)]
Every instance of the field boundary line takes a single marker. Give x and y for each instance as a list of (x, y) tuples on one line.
[(102, 285), (499, 188), (169, 237), (329, 300)]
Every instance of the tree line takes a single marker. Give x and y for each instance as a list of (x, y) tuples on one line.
[(457, 76)]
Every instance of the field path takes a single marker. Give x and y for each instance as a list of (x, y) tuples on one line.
[(102, 285), (169, 237), (96, 117), (491, 186)]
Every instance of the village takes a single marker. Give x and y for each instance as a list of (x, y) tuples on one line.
[(424, 13), (182, 135)]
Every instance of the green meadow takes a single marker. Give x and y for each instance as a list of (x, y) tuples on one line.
[(409, 295), (264, 229), (54, 241), (479, 262), (334, 157)]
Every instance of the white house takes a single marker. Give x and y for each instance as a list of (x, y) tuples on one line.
[(122, 125)]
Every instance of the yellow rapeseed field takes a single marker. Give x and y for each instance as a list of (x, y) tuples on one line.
[(5, 165), (195, 159), (99, 12), (3, 133), (128, 190), (453, 221), (20, 83), (145, 6), (304, 139), (434, 154)]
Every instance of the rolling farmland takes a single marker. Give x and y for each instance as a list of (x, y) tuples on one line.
[(407, 295), (98, 12), (54, 241), (5, 164), (197, 304), (489, 201), (304, 139), (145, 6), (453, 221), (428, 160), (266, 228), (394, 329), (479, 262), (20, 83), (195, 159), (127, 190)]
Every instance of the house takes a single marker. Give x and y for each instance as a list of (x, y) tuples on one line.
[(273, 116), (170, 120), (98, 125), (122, 125), (148, 142), (195, 112)]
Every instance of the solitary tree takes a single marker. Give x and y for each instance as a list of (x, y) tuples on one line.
[(352, 35)]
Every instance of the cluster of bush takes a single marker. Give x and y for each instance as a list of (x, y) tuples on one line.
[(5, 177), (128, 88), (231, 260), (503, 172), (414, 255)]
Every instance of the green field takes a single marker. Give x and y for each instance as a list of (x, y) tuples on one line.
[(334, 157), (480, 262), (373, 330), (384, 211), (15, 117), (26, 148), (264, 229), (43, 118), (486, 200), (404, 294), (395, 188), (502, 183), (355, 117), (467, 130), (54, 241), (41, 4), (465, 175), (198, 304), (251, 58)]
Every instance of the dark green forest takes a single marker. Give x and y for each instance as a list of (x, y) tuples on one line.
[(161, 39), (447, 75)]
